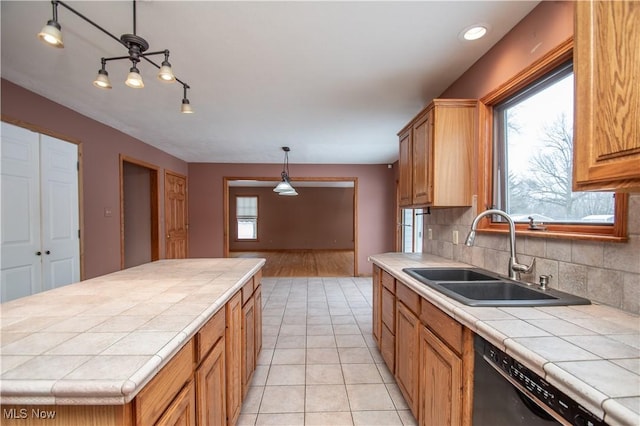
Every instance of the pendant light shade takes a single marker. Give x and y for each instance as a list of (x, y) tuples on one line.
[(102, 80), (134, 79), (166, 73), (51, 34), (284, 186)]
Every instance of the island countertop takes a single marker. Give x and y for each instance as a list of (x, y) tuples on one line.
[(590, 352), (101, 340)]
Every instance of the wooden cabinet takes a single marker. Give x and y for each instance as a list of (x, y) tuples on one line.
[(257, 298), (441, 382), (407, 345), (430, 354), (248, 344), (182, 411), (376, 300), (436, 153), (210, 374), (233, 357), (159, 396), (388, 316), (607, 80)]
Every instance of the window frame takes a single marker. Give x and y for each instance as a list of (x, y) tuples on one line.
[(546, 64), (237, 238)]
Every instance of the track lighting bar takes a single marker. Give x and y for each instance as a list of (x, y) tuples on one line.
[(136, 46)]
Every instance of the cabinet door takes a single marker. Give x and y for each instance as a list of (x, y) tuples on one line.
[(257, 300), (211, 388), (405, 163), (182, 411), (248, 343), (233, 357), (440, 382), (607, 79), (377, 296), (422, 171), (407, 355)]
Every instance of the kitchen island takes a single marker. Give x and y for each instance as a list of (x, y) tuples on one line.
[(95, 346), (589, 352)]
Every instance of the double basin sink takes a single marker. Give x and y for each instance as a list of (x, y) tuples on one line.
[(477, 287)]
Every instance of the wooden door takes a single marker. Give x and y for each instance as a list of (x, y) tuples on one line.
[(211, 388), (407, 356), (257, 301), (422, 170), (182, 411), (60, 213), (175, 216), (233, 357), (405, 184), (607, 98), (377, 305), (440, 383)]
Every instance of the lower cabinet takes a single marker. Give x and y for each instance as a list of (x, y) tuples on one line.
[(429, 353), (211, 388), (182, 411), (441, 382), (248, 343), (233, 357)]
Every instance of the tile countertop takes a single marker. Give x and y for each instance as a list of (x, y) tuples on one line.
[(590, 352), (101, 340)]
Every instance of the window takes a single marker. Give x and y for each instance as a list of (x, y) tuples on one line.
[(531, 158), (412, 230), (247, 217)]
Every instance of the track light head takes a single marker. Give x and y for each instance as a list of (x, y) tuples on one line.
[(134, 79), (102, 80), (52, 34)]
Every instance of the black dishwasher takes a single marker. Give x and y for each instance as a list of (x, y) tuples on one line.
[(506, 393)]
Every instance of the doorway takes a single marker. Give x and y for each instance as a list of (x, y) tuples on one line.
[(313, 234), (139, 227), (40, 212)]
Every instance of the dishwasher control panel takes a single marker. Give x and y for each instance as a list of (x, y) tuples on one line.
[(545, 395)]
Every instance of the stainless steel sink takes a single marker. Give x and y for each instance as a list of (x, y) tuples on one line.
[(477, 287)]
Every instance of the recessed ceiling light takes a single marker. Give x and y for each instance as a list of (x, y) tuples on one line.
[(474, 32)]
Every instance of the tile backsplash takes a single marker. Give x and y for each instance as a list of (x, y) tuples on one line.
[(603, 272)]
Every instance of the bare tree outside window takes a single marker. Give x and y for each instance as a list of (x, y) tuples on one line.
[(538, 158)]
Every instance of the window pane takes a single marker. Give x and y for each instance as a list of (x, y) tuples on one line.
[(247, 229), (535, 145), (247, 217), (246, 206)]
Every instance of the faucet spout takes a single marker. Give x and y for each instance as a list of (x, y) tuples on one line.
[(515, 268)]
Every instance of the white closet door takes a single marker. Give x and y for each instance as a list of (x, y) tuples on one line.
[(20, 209), (60, 216)]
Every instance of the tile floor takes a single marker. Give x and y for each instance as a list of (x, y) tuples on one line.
[(319, 364)]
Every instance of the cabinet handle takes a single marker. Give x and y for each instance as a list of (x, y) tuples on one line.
[(38, 253), (47, 252)]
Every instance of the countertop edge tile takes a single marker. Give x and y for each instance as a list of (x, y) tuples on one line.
[(582, 392), (617, 413)]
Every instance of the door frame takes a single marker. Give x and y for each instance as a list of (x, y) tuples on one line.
[(154, 195), (79, 145), (226, 214)]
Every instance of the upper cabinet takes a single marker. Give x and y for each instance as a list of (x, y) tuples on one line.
[(607, 80), (436, 150)]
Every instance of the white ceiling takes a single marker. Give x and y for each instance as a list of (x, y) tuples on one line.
[(334, 81)]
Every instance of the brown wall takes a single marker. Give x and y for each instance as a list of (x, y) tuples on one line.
[(317, 219), (101, 147), (376, 201)]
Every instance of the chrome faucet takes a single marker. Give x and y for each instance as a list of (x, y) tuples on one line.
[(515, 268)]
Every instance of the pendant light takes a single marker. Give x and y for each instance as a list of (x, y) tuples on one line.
[(137, 48), (284, 186)]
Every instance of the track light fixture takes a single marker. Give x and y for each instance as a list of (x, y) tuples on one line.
[(284, 186), (136, 47)]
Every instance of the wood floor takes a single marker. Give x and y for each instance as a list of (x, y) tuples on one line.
[(304, 263)]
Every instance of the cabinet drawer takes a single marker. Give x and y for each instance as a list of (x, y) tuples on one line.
[(388, 348), (247, 291), (445, 327), (388, 282), (408, 297), (157, 395), (389, 309), (209, 334)]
